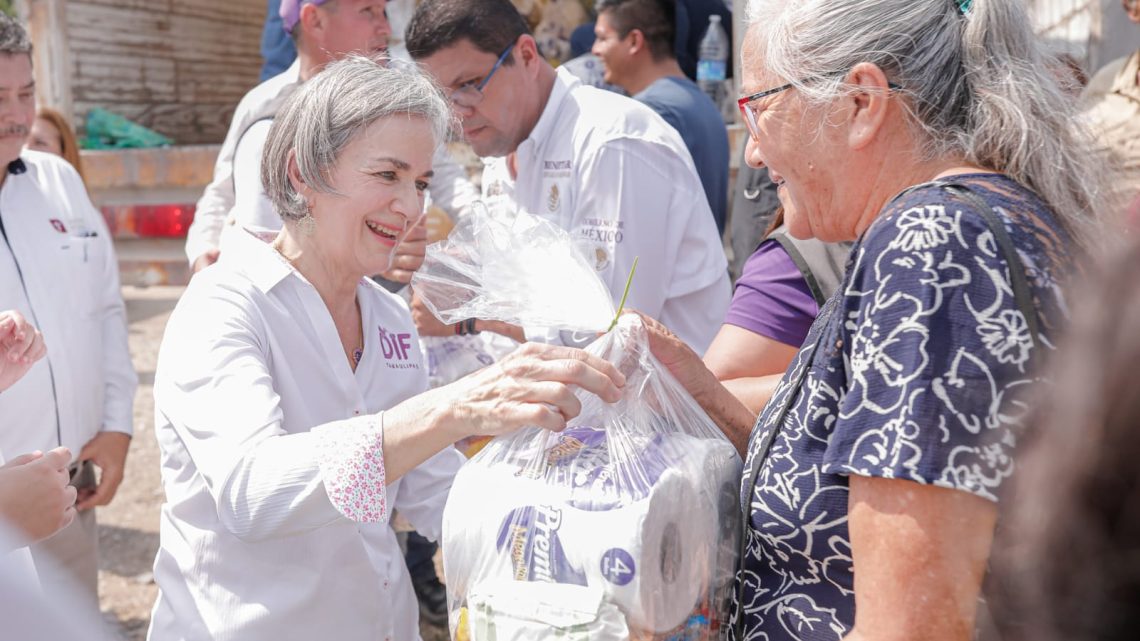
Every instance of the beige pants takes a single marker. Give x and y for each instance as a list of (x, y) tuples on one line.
[(68, 562)]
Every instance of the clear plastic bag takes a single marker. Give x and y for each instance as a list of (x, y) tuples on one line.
[(623, 526), (513, 267)]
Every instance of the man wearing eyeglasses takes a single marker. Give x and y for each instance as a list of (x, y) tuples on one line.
[(604, 167)]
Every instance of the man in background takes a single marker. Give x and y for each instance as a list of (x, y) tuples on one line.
[(58, 270), (634, 39), (605, 168)]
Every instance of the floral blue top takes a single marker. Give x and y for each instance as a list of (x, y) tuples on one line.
[(923, 353)]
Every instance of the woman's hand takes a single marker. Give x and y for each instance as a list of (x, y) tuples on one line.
[(21, 345), (534, 385), (723, 407), (675, 354), (34, 494)]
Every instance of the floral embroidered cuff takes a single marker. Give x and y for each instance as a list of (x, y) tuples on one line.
[(351, 457)]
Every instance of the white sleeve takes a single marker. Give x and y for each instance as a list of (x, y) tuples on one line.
[(252, 207), (215, 392), (639, 200), (218, 198), (119, 378), (450, 188)]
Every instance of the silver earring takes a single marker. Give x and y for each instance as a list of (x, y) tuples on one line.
[(307, 224)]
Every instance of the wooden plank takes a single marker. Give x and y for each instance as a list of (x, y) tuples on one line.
[(123, 77), (210, 81), (93, 28), (244, 11), (176, 66)]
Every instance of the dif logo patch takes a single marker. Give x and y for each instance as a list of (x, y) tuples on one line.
[(396, 348)]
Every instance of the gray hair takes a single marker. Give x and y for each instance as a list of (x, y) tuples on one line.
[(13, 37), (977, 86), (326, 113)]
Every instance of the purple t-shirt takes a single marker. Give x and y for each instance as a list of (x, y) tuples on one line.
[(772, 298)]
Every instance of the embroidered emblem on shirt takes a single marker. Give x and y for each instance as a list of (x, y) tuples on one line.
[(552, 201), (601, 258), (57, 224)]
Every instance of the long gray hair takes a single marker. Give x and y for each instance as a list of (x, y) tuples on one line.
[(327, 112), (977, 85)]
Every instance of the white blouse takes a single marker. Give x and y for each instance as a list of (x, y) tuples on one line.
[(275, 524)]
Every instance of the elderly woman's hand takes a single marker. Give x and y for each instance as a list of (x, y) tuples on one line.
[(725, 409), (675, 354)]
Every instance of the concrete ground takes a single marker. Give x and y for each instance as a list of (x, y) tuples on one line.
[(128, 528)]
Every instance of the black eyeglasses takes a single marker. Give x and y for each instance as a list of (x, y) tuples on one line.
[(470, 94), (751, 113)]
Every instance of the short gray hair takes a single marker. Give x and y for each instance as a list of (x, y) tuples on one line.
[(977, 85), (326, 113), (13, 37)]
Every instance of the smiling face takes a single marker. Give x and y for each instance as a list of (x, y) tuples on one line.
[(17, 104), (507, 112), (379, 178), (612, 49), (802, 156)]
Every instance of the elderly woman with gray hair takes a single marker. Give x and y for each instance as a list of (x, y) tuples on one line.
[(290, 393), (930, 133)]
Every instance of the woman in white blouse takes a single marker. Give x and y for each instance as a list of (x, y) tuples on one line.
[(290, 397)]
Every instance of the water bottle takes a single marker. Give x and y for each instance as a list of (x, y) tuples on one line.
[(713, 61)]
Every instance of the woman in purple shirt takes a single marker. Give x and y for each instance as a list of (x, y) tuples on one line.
[(779, 293)]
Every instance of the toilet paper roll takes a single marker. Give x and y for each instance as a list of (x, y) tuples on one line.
[(578, 522), (480, 498), (651, 558)]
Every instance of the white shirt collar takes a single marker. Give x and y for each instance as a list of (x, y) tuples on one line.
[(564, 83), (258, 260)]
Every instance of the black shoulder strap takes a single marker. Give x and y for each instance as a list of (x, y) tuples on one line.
[(1017, 277), (802, 265)]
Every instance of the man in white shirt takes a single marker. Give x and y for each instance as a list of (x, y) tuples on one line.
[(324, 31), (603, 167), (58, 269)]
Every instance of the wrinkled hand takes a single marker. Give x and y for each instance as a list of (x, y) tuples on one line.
[(21, 345), (108, 450), (409, 254), (426, 322), (205, 260), (675, 354), (534, 385), (34, 494)]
